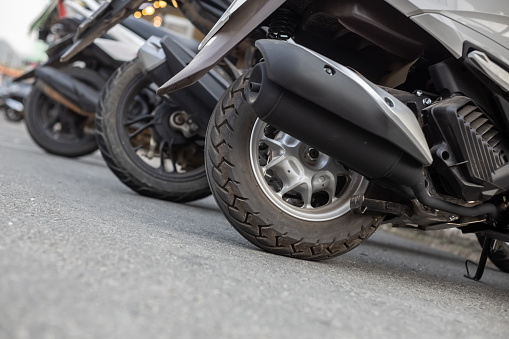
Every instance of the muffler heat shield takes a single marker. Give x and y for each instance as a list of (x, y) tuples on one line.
[(342, 92)]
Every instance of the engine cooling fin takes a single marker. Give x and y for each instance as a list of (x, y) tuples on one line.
[(482, 140), (469, 149)]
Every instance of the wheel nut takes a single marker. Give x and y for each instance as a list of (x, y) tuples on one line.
[(179, 119), (311, 155)]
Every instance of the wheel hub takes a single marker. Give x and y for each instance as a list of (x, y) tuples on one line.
[(299, 179), (164, 114)]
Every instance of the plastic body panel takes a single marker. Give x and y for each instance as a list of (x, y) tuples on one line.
[(483, 23), (163, 57), (248, 17)]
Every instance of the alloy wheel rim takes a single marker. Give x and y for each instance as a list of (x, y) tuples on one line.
[(299, 180)]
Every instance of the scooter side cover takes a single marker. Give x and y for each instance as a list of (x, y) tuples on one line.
[(163, 57), (241, 22), (343, 92)]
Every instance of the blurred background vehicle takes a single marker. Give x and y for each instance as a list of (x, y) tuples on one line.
[(11, 99)]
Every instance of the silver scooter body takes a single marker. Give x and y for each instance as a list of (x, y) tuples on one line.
[(483, 24)]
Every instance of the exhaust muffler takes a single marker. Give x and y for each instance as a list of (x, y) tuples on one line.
[(68, 90), (333, 109)]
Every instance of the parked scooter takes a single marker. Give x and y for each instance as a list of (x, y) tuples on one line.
[(360, 112), (155, 144), (61, 108), (11, 100)]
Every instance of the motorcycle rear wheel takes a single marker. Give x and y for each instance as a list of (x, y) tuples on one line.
[(136, 141), (56, 128), (277, 192)]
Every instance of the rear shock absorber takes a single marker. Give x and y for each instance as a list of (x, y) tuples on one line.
[(283, 24)]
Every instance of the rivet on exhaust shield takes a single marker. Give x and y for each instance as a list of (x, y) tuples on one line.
[(329, 70), (389, 102)]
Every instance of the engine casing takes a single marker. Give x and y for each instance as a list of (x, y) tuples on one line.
[(468, 150)]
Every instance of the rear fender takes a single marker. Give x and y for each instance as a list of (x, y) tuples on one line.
[(241, 22)]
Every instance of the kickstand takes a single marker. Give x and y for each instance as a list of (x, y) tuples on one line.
[(486, 248)]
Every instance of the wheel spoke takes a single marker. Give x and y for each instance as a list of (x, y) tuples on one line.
[(171, 155), (162, 166), (138, 119), (58, 117), (137, 148), (331, 190), (51, 124), (274, 145), (141, 129), (287, 187), (325, 182), (75, 128), (306, 191), (273, 163)]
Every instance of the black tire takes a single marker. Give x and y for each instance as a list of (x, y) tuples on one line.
[(279, 229), (500, 257), (125, 92), (57, 129), (13, 115)]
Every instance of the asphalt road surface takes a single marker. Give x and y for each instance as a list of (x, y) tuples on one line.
[(82, 256)]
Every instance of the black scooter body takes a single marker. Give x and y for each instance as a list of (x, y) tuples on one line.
[(201, 98)]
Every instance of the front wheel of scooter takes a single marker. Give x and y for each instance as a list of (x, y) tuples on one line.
[(280, 194)]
